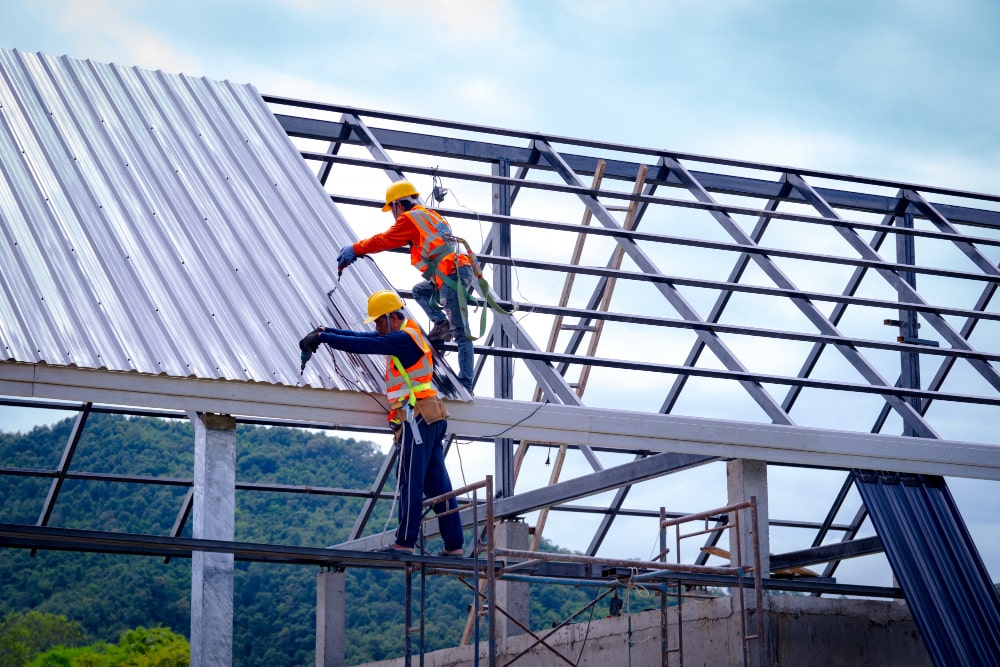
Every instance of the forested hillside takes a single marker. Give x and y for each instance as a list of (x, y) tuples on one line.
[(274, 622)]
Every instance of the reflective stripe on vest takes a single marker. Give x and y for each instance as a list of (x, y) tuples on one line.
[(432, 228), (409, 384)]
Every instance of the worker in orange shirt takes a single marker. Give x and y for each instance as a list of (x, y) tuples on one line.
[(436, 254)]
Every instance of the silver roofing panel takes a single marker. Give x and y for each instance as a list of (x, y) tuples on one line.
[(165, 224)]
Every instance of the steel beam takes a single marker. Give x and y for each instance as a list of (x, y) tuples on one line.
[(643, 198), (64, 464), (560, 492), (831, 552), (473, 150), (720, 305)]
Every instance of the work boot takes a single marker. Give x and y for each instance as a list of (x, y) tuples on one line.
[(440, 333)]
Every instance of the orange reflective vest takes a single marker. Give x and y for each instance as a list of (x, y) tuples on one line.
[(434, 256), (406, 385)]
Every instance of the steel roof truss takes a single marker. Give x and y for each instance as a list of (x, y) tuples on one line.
[(820, 321), (756, 391), (67, 458), (906, 292), (723, 300)]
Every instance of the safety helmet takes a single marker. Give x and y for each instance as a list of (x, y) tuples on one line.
[(398, 190), (382, 303)]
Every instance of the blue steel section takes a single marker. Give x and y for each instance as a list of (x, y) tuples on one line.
[(933, 557)]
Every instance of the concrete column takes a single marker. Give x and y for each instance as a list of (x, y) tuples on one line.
[(749, 478), (330, 619), (512, 596), (214, 519)]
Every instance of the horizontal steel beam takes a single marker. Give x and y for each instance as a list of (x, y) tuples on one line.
[(65, 539), (883, 390), (177, 481), (477, 150), (538, 422), (583, 190), (826, 553), (948, 236), (741, 287), (706, 244)]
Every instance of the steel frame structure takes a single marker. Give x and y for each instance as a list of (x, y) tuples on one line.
[(745, 200), (832, 201)]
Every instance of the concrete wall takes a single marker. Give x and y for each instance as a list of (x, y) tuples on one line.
[(802, 631)]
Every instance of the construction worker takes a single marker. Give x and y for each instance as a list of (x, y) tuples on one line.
[(436, 255), (418, 416)]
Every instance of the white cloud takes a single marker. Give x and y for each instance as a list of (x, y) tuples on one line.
[(108, 30)]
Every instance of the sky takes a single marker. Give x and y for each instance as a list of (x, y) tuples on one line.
[(897, 89)]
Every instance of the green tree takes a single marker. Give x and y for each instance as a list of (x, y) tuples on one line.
[(141, 647), (25, 635)]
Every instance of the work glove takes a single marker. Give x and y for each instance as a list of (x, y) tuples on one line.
[(309, 344), (346, 257)]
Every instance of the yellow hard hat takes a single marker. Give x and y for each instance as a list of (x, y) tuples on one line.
[(382, 303), (398, 190)]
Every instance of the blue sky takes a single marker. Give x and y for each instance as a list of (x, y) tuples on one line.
[(904, 89), (895, 89)]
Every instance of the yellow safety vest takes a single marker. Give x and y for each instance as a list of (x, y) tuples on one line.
[(406, 385)]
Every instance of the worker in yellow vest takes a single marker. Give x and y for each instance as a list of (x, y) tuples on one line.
[(438, 256), (418, 416)]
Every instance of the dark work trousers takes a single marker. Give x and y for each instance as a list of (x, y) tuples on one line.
[(422, 474)]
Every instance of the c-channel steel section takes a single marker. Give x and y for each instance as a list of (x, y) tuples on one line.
[(470, 145), (721, 302)]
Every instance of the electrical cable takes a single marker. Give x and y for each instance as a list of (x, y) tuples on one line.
[(482, 242), (461, 464), (405, 512), (533, 412), (583, 644)]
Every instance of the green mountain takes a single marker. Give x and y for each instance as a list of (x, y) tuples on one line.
[(275, 605)]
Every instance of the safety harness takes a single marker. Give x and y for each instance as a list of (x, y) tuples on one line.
[(405, 395), (411, 401), (439, 242)]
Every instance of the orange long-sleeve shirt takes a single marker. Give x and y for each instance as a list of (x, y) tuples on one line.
[(405, 232)]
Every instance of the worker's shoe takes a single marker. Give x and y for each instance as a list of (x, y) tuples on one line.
[(453, 553), (440, 333), (395, 549)]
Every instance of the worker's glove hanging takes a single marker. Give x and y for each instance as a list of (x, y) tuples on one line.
[(308, 345), (346, 257)]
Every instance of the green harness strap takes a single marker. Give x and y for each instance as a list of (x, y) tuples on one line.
[(464, 294)]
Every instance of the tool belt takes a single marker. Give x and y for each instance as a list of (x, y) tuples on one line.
[(432, 409)]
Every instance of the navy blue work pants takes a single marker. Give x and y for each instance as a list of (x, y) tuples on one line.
[(422, 474)]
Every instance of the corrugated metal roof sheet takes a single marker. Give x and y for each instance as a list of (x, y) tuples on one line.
[(165, 224), (937, 565)]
